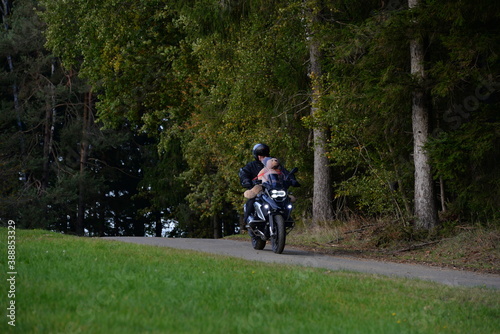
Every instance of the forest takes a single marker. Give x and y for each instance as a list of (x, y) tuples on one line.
[(125, 117)]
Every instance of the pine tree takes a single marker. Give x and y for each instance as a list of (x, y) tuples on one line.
[(322, 194), (425, 206)]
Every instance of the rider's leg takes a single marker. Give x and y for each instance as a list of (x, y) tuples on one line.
[(249, 209)]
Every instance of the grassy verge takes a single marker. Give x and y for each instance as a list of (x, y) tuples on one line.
[(78, 285)]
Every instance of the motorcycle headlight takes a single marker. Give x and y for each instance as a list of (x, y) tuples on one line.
[(290, 206), (278, 193)]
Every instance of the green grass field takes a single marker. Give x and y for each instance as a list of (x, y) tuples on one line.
[(67, 284)]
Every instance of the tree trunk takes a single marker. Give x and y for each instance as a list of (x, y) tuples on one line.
[(84, 152), (158, 225), (425, 206), (46, 147), (400, 189), (322, 194), (6, 12), (216, 227), (50, 114), (442, 195)]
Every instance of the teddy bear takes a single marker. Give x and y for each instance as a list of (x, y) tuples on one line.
[(271, 166), (252, 193)]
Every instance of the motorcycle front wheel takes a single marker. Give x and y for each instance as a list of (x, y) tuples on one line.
[(279, 237), (257, 242)]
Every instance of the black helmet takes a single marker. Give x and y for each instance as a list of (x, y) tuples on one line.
[(260, 149)]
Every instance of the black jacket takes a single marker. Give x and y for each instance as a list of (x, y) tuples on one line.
[(248, 173)]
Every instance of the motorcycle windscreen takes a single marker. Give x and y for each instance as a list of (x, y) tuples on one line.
[(275, 179)]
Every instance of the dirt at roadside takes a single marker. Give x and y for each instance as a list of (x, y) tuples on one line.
[(472, 261), (469, 250)]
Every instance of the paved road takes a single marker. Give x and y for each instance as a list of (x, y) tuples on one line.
[(294, 256)]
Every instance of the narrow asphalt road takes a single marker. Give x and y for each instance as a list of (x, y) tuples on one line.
[(294, 256)]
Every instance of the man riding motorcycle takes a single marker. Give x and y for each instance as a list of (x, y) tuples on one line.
[(249, 173)]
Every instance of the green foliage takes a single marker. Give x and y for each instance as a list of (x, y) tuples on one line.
[(465, 72), (185, 88), (27, 194), (128, 56), (365, 102), (368, 103), (245, 91), (44, 183), (467, 161)]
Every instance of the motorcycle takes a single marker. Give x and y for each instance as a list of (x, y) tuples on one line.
[(272, 219)]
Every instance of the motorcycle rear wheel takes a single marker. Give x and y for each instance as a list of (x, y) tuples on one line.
[(279, 237)]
